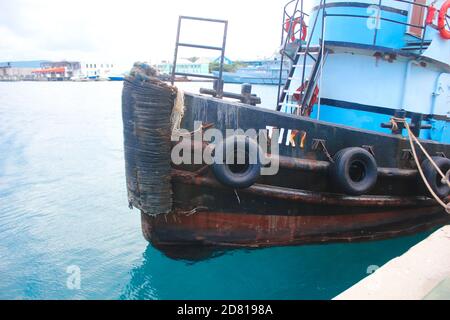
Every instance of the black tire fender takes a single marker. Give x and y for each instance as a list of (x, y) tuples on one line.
[(237, 176), (354, 171), (434, 178)]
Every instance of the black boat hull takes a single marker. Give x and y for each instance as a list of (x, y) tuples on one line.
[(299, 205)]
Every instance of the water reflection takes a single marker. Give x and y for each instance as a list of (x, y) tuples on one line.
[(306, 272)]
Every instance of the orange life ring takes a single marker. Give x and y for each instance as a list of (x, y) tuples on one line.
[(290, 25), (445, 33), (314, 99)]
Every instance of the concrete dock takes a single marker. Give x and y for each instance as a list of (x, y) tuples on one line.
[(423, 273)]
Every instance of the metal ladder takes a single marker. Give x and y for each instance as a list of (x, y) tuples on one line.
[(300, 61), (219, 79), (316, 53)]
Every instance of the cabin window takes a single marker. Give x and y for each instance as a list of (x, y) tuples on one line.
[(417, 17), (87, 66)]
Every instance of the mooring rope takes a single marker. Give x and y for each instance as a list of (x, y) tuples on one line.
[(412, 139), (177, 113)]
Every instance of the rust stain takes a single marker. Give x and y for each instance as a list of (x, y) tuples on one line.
[(238, 230), (303, 140)]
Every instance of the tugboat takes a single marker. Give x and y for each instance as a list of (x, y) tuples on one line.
[(360, 135)]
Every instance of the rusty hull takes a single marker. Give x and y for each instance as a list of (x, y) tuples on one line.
[(211, 218), (184, 235), (299, 205)]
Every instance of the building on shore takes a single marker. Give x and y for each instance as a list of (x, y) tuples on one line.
[(75, 70), (94, 71), (198, 66), (19, 70), (56, 71)]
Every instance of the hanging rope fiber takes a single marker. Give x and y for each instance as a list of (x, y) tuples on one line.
[(413, 139), (177, 115)]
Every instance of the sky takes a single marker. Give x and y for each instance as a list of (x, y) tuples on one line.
[(133, 30)]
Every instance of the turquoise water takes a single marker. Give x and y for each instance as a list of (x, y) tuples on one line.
[(63, 204)]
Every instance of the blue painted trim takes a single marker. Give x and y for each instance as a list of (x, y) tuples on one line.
[(360, 5), (349, 23), (440, 131), (354, 118), (388, 50), (377, 109), (375, 48), (372, 121), (367, 119)]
